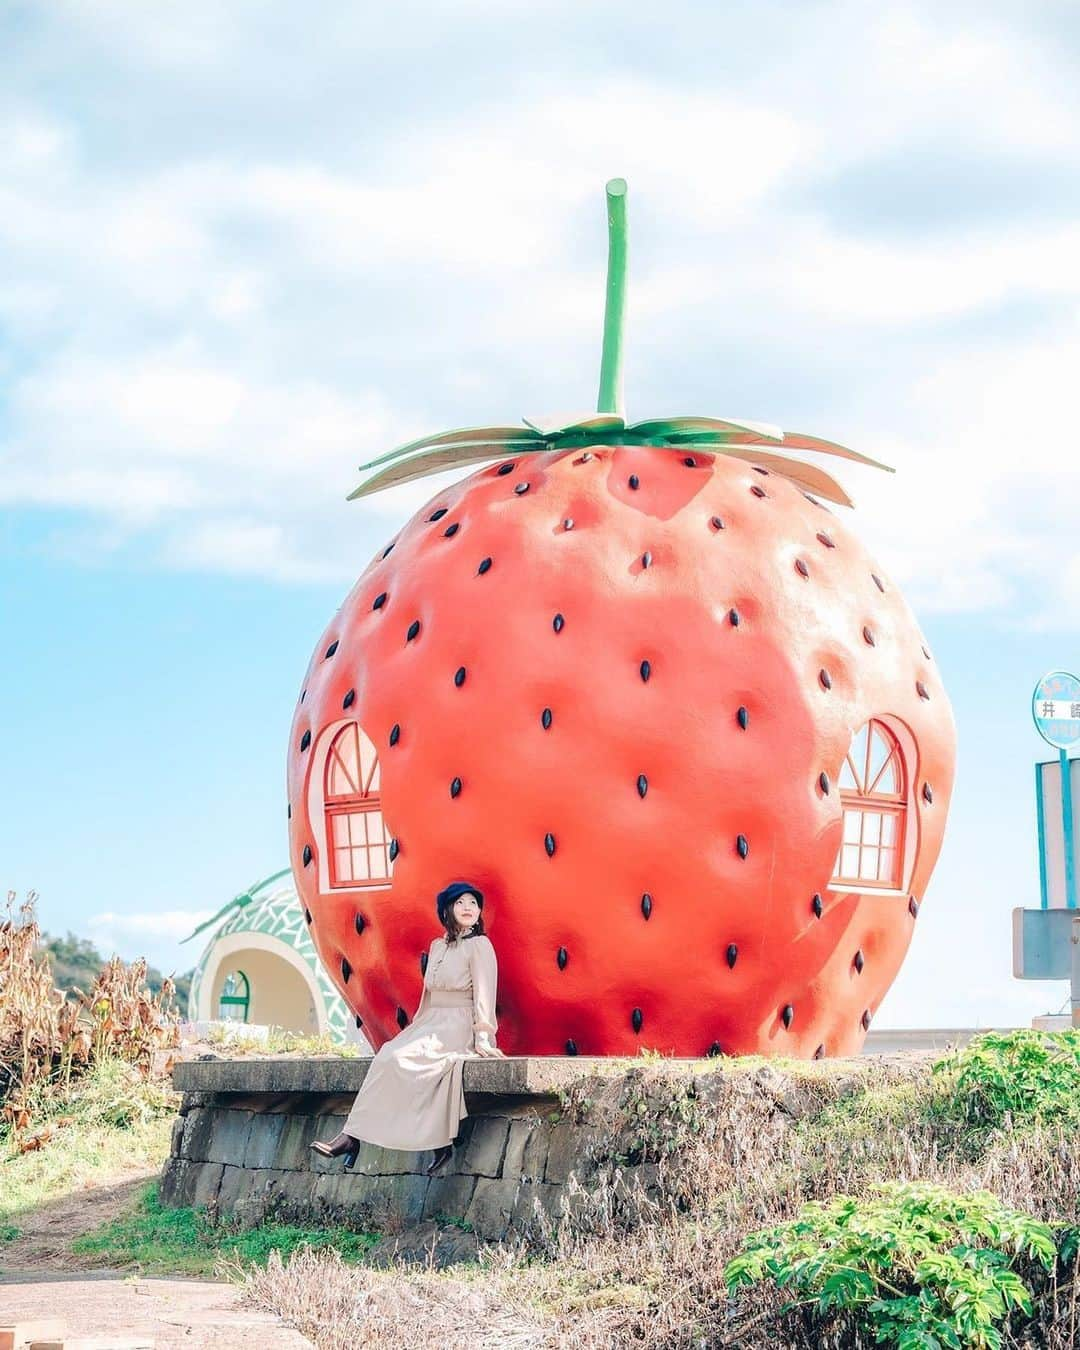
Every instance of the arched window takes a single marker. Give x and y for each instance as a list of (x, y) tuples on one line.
[(356, 835), (235, 998), (873, 793)]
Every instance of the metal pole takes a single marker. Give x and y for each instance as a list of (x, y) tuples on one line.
[(1074, 975), (1067, 825)]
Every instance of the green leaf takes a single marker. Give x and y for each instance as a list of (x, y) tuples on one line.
[(432, 461), (460, 436)]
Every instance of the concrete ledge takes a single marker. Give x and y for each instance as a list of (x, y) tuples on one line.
[(527, 1075)]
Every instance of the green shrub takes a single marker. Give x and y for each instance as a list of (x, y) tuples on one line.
[(913, 1264), (1023, 1075)]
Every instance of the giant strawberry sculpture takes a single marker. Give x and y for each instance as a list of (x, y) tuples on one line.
[(643, 689)]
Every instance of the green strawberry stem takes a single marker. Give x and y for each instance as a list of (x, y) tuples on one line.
[(611, 380)]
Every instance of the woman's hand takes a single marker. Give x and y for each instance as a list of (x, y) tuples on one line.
[(483, 1045)]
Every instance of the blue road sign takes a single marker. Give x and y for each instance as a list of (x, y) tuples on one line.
[(1055, 706)]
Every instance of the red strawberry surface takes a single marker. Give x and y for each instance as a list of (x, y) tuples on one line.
[(615, 688)]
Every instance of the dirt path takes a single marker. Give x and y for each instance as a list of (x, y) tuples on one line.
[(197, 1314), (40, 1278)]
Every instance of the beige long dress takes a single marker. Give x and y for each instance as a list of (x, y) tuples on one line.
[(412, 1097)]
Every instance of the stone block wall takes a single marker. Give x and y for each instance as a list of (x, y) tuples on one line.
[(241, 1145)]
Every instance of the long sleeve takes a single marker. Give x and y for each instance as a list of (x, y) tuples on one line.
[(485, 979)]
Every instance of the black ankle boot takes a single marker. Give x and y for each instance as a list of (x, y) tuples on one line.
[(442, 1155), (336, 1147)]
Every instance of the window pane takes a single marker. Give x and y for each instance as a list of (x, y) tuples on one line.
[(851, 862), (885, 869), (359, 864), (340, 830), (851, 826), (880, 749), (377, 858), (343, 864), (847, 778), (343, 767), (888, 780), (871, 830), (888, 829), (868, 864)]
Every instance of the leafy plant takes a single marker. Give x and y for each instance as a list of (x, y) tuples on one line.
[(914, 1264), (1022, 1075)]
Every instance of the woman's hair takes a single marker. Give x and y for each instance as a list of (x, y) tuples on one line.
[(444, 905)]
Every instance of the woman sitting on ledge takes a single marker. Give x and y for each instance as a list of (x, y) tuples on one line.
[(412, 1097)]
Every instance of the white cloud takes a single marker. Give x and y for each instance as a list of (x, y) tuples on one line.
[(212, 339), (170, 923)]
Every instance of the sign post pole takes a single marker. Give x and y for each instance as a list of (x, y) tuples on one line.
[(1067, 825)]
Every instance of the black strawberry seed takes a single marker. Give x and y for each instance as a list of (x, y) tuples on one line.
[(379, 600), (394, 849), (303, 695), (801, 568), (571, 1047), (568, 523), (549, 844), (359, 923), (714, 1050), (819, 1053), (690, 462), (646, 559), (307, 915), (455, 787), (742, 845), (414, 628), (758, 469), (288, 811), (645, 670), (349, 699), (732, 956), (438, 515), (636, 1019), (634, 481), (866, 1020), (825, 539), (423, 963), (743, 718), (733, 618), (758, 491), (346, 970), (557, 623), (402, 1018), (913, 907), (717, 523), (825, 678), (331, 650), (451, 530), (921, 689), (927, 792), (646, 904), (642, 785), (521, 489), (395, 734), (545, 719), (359, 1021), (484, 566), (505, 469), (305, 741), (787, 1015), (561, 958), (927, 654), (823, 782), (459, 676), (868, 636), (815, 905), (388, 549), (878, 582), (859, 962)]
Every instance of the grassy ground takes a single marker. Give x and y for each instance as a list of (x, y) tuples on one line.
[(158, 1241)]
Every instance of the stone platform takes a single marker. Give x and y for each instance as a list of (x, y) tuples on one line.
[(544, 1137), (241, 1145)]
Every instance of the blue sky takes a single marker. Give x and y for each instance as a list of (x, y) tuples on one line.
[(243, 249)]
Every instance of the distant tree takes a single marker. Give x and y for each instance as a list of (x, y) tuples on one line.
[(76, 962)]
